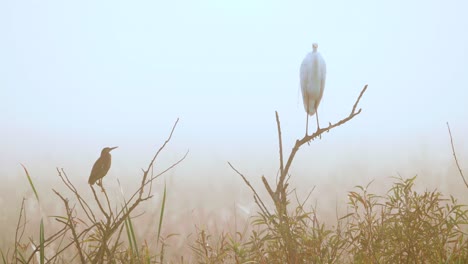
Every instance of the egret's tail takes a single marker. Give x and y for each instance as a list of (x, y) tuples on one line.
[(311, 105)]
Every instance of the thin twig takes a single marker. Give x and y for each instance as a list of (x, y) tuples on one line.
[(280, 142), (252, 188), (72, 227), (71, 243), (265, 213), (84, 205), (455, 156), (116, 244), (49, 241), (108, 204), (156, 155), (18, 227), (146, 183), (168, 168), (357, 101), (99, 203)]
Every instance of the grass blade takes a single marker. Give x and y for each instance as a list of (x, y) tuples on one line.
[(41, 242), (30, 182), (128, 235), (3, 257), (22, 260), (132, 233), (161, 216)]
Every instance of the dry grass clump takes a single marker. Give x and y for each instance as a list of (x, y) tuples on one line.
[(399, 226), (405, 226)]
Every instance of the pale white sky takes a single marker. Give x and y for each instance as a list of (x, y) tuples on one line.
[(78, 76)]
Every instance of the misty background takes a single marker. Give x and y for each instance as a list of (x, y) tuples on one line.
[(79, 76)]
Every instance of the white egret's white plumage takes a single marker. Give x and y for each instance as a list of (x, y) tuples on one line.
[(313, 73)]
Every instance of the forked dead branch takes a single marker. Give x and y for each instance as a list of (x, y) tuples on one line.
[(279, 195)]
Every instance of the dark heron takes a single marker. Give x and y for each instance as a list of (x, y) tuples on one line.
[(101, 167)]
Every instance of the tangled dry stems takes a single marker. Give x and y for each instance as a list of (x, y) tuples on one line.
[(92, 236)]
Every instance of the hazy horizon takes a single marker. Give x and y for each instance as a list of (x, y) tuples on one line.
[(79, 76)]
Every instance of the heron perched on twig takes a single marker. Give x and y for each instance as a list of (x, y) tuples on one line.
[(313, 72), (101, 167)]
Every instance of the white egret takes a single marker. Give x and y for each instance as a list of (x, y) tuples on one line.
[(313, 73)]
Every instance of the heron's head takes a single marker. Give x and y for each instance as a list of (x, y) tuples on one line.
[(314, 46), (107, 150)]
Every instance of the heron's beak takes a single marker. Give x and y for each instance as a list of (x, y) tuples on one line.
[(113, 148)]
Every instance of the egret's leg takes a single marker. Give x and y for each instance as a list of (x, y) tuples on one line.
[(318, 126), (307, 118), (316, 115)]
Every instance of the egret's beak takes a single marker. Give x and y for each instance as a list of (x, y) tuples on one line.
[(112, 148)]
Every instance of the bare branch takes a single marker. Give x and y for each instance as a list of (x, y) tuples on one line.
[(269, 190), (316, 134), (357, 101)]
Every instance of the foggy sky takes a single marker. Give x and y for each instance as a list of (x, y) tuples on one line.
[(79, 76)]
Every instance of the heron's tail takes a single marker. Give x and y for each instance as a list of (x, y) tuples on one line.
[(91, 180)]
